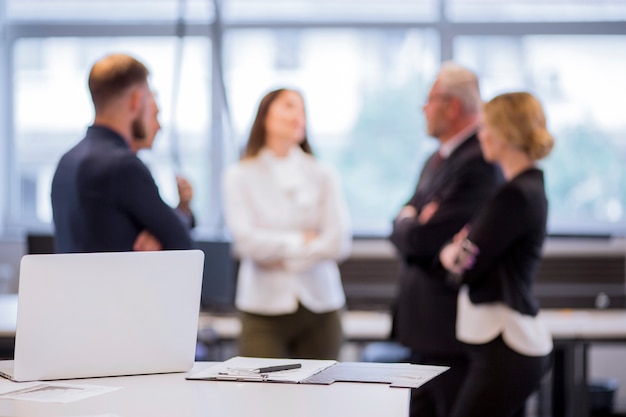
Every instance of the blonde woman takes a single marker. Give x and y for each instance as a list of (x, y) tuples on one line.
[(290, 226), (495, 257)]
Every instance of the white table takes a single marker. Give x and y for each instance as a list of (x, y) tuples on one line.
[(573, 331), (169, 395)]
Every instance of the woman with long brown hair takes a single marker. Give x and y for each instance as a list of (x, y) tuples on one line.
[(289, 226)]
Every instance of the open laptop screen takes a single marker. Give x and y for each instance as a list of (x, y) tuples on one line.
[(105, 314)]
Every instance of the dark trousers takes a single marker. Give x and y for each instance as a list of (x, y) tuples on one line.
[(436, 397), (303, 334), (499, 381)]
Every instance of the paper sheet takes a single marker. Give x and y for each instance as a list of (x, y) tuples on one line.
[(401, 375), (52, 392), (235, 368)]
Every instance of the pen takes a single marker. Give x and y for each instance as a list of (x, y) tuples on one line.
[(277, 368)]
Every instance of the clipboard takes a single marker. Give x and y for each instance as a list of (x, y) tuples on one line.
[(241, 368), (320, 372)]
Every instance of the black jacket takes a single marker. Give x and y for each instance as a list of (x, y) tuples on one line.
[(510, 232), (425, 308), (103, 196)]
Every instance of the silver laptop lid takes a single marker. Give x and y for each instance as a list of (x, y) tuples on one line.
[(105, 314)]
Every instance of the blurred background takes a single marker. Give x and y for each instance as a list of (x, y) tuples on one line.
[(364, 68)]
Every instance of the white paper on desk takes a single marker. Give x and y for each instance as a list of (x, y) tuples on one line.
[(53, 392), (401, 375), (100, 415), (224, 370)]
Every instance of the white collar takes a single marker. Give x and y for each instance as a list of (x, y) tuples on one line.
[(294, 155), (446, 149), (288, 173)]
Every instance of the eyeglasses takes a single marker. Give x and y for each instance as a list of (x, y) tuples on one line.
[(433, 97)]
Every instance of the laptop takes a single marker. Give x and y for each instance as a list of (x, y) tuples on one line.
[(86, 315)]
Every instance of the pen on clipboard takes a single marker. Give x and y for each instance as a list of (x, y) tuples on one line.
[(262, 370), (278, 368)]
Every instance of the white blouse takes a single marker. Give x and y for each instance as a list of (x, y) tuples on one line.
[(481, 323), (268, 203)]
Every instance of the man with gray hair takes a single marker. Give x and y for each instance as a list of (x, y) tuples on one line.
[(453, 185)]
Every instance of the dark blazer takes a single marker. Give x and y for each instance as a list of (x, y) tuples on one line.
[(425, 309), (510, 232), (103, 196)]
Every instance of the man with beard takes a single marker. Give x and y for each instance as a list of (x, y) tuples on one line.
[(103, 196)]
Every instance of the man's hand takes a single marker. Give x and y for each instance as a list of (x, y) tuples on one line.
[(147, 242), (185, 194), (406, 212), (428, 211), (310, 236), (271, 265)]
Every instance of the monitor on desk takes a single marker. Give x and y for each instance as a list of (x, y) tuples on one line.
[(220, 272), (39, 243)]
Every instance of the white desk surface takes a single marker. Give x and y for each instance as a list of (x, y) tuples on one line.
[(586, 324), (169, 395), (164, 395)]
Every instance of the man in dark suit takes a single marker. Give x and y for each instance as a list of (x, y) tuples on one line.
[(103, 196), (453, 185)]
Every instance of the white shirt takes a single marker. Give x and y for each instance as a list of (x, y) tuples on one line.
[(446, 149), (268, 203), (481, 323)]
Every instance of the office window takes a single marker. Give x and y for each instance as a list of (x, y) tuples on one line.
[(364, 67), (579, 80), (109, 10), (363, 90), (52, 109), (342, 10), (535, 10)]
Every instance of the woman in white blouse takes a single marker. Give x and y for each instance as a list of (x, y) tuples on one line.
[(290, 226)]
